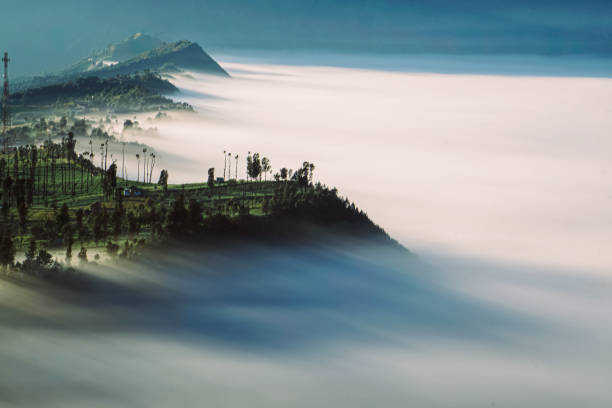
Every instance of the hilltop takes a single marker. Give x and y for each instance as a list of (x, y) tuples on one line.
[(181, 54), (114, 53), (134, 54), (53, 197)]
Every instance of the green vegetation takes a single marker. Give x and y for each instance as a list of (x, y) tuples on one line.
[(54, 199), (135, 54), (120, 94)]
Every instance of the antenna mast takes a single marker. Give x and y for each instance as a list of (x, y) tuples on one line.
[(6, 118)]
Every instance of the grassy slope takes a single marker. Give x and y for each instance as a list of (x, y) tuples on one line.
[(88, 190)]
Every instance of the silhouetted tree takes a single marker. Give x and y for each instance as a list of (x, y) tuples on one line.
[(7, 248), (224, 162), (265, 167), (283, 173), (211, 177), (68, 241), (177, 217), (163, 180), (82, 255), (254, 166), (236, 173), (62, 218)]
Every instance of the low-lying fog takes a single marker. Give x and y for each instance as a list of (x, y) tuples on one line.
[(304, 327), (499, 183), (504, 167)]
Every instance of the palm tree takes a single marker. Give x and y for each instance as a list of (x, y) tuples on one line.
[(236, 159), (82, 160), (144, 164), (224, 162), (91, 159), (152, 166), (229, 166), (106, 153), (247, 167), (123, 162)]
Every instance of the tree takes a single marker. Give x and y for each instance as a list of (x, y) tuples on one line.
[(152, 165), (5, 209), (177, 217), (78, 214), (70, 154), (194, 216), (144, 165), (3, 168), (62, 218), (138, 160), (31, 252), (229, 167), (132, 221), (236, 173), (117, 221), (224, 162), (7, 187), (22, 209), (110, 180), (163, 180), (82, 255), (254, 166), (283, 173), (249, 165), (211, 178), (304, 175), (266, 167), (68, 240), (7, 249)]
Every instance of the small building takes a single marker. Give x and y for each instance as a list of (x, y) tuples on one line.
[(132, 191), (220, 180)]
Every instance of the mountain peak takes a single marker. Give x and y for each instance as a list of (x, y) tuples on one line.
[(128, 48), (183, 54)]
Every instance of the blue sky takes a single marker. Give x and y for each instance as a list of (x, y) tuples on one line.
[(45, 35)]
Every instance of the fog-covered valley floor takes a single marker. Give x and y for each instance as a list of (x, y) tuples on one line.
[(303, 326), (500, 185)]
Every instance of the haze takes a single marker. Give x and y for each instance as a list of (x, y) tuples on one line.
[(495, 175), (503, 167)]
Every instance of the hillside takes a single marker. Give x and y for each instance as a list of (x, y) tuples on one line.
[(114, 53), (128, 48), (118, 94), (53, 197), (127, 57), (181, 54)]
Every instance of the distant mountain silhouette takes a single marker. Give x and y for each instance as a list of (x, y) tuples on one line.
[(136, 53), (182, 54), (139, 52), (130, 47)]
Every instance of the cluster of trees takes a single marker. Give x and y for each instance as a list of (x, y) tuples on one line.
[(148, 164), (34, 173), (256, 167), (55, 172), (121, 93), (294, 195)]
